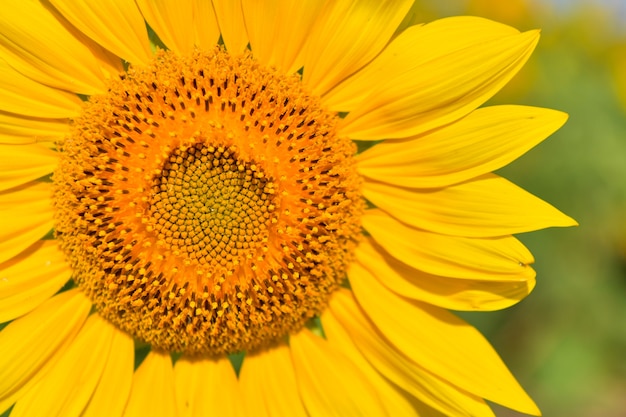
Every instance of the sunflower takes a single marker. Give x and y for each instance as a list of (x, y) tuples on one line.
[(258, 208)]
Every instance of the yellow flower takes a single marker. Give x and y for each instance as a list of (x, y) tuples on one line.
[(209, 200)]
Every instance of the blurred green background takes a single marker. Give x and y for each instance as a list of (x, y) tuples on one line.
[(566, 342)]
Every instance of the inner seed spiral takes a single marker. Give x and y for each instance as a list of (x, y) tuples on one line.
[(207, 204), (208, 207)]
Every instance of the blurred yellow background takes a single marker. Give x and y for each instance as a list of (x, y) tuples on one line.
[(566, 342)]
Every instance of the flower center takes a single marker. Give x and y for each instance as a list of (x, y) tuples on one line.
[(207, 204)]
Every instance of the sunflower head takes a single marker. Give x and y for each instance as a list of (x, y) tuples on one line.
[(305, 184), (207, 204)]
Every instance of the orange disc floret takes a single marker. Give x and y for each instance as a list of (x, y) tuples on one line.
[(207, 204)]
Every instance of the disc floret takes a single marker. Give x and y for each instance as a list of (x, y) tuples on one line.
[(207, 204)]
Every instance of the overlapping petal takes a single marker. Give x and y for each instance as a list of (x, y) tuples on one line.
[(117, 25), (329, 383), (346, 36), (26, 216), (20, 164), (402, 51), (278, 30), (22, 130), (494, 259), (431, 338), (416, 93), (395, 402), (206, 29), (430, 389), (232, 26), (52, 54), (22, 96), (484, 141), (66, 390), (171, 21), (152, 390), (268, 383), (31, 345), (206, 387), (28, 281), (445, 292), (114, 384), (483, 207)]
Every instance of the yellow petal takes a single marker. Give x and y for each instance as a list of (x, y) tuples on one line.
[(25, 217), (232, 27), (117, 25), (18, 130), (485, 206), (206, 387), (20, 164), (415, 96), (440, 342), (67, 388), (394, 401), (152, 391), (482, 259), (278, 30), (329, 383), (451, 293), (268, 384), (28, 280), (430, 389), (206, 29), (346, 36), (415, 46), (111, 66), (31, 345), (172, 21), (114, 384), (484, 141), (42, 47), (23, 96)]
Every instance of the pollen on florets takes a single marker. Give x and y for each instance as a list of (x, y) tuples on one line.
[(206, 203)]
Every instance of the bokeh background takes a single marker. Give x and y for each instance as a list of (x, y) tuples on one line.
[(566, 342)]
